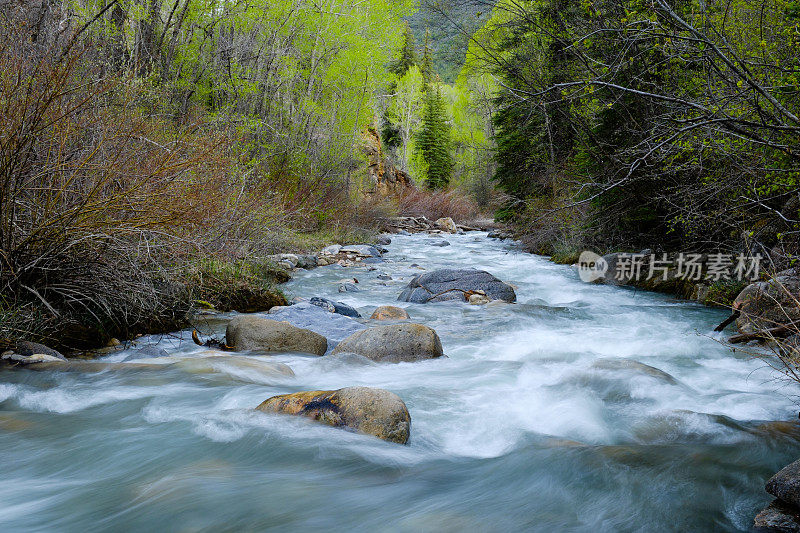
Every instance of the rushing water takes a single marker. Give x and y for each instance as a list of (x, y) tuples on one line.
[(544, 417)]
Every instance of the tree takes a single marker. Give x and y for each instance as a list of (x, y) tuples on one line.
[(408, 54), (433, 141)]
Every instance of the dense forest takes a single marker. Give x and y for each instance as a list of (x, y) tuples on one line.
[(155, 150)]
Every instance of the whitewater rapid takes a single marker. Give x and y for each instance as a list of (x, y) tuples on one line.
[(580, 408)]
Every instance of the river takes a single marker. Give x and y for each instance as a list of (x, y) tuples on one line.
[(543, 417)]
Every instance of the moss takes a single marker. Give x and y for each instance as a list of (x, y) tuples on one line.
[(723, 292), (244, 286)]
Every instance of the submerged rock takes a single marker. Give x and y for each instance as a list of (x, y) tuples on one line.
[(146, 352), (437, 242), (348, 287), (394, 343), (390, 312), (332, 326), (375, 412), (334, 307), (628, 364), (383, 240), (455, 284), (263, 334)]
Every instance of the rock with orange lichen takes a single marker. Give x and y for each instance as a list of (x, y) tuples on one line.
[(375, 412)]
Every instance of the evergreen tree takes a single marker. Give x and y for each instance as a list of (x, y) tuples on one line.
[(433, 141), (426, 66), (408, 54)]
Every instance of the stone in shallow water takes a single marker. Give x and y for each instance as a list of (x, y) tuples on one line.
[(259, 333), (334, 307), (453, 284), (394, 343), (390, 312), (777, 517), (437, 242), (375, 412)]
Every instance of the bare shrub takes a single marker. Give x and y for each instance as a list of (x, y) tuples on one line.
[(438, 204)]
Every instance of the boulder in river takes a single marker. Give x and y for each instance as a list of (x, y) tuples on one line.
[(777, 517), (363, 250), (390, 312), (767, 304), (146, 352), (332, 326), (334, 307), (28, 349), (437, 242), (348, 287), (248, 332), (447, 224), (383, 240), (455, 284), (785, 485), (394, 343), (375, 412)]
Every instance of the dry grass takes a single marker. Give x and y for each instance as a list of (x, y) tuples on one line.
[(437, 204)]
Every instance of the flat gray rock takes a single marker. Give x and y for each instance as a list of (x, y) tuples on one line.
[(452, 284), (332, 326)]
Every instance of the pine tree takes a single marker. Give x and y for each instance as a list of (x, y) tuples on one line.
[(408, 54), (426, 66), (433, 141)]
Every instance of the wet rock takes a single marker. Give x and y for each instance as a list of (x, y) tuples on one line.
[(334, 307), (437, 242), (785, 485), (324, 261), (263, 334), (348, 287), (384, 277), (13, 358), (146, 352), (778, 517), (307, 261), (455, 284), (333, 326), (446, 224), (478, 298), (28, 349), (383, 240), (394, 343), (363, 250), (366, 410), (333, 249), (767, 304), (390, 312)]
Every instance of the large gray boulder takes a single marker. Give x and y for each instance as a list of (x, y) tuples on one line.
[(777, 517), (785, 485), (455, 284), (375, 412), (249, 332), (333, 326), (767, 304), (393, 343)]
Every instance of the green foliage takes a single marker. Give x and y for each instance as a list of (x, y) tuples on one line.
[(433, 140)]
